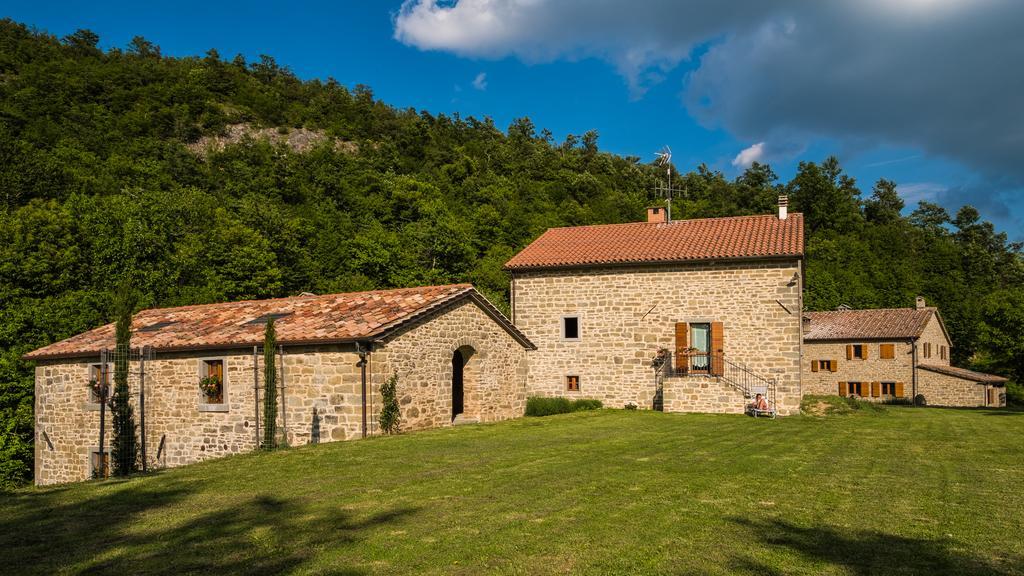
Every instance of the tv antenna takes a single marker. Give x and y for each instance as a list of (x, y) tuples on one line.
[(665, 159)]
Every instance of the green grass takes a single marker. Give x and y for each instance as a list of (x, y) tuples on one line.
[(899, 491)]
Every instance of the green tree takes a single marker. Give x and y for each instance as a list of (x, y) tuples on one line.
[(390, 414), (124, 451), (269, 386)]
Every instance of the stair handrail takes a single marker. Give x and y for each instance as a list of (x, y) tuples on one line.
[(717, 365)]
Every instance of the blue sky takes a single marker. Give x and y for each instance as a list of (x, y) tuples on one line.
[(870, 84)]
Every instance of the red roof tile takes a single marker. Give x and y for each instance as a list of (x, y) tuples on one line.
[(873, 323), (738, 237), (964, 374), (305, 319)]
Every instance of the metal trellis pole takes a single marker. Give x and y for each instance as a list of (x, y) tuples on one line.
[(256, 389), (142, 404)]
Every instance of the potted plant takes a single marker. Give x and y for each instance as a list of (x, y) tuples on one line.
[(660, 357), (99, 391), (212, 388)]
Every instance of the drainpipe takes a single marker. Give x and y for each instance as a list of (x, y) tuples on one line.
[(363, 351), (512, 298), (913, 370)]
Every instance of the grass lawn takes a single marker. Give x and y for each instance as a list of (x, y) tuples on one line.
[(904, 491)]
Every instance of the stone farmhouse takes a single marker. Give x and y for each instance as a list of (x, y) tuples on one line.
[(681, 316), (887, 354), (458, 358), (684, 316)]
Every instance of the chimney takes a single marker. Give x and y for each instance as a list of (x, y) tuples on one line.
[(657, 215), (920, 302), (783, 207)]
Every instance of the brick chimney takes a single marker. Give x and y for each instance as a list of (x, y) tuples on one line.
[(783, 207), (657, 214), (920, 302)]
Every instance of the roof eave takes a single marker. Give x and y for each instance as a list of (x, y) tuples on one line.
[(628, 263)]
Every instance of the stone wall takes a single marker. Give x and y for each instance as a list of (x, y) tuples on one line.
[(495, 374), (627, 313), (67, 425), (702, 394), (874, 369), (944, 390), (934, 335)]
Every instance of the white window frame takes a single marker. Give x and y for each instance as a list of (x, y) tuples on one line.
[(579, 328), (201, 404)]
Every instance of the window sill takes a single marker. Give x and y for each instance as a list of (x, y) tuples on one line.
[(212, 407)]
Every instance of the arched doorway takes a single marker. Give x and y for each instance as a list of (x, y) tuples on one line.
[(464, 366), (458, 382)]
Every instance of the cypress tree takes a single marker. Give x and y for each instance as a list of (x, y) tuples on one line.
[(269, 386), (390, 415), (124, 452)]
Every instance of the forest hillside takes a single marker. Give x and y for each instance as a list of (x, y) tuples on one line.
[(207, 179)]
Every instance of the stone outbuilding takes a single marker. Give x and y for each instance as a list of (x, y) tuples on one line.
[(888, 354), (686, 316), (456, 356)]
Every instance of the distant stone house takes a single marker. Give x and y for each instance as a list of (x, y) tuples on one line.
[(885, 354), (457, 358), (720, 297)]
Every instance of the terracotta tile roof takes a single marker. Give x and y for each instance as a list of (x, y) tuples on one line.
[(964, 374), (874, 323), (643, 242), (301, 320)]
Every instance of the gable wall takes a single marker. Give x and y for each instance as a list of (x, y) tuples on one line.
[(495, 382)]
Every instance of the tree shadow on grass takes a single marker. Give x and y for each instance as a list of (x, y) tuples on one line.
[(866, 552), (139, 531)]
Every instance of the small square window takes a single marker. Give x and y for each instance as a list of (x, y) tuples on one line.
[(98, 380), (888, 388), (571, 328), (825, 366), (856, 389), (572, 383), (211, 381), (858, 351)]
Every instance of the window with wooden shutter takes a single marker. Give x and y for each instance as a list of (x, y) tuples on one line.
[(888, 388), (682, 344), (927, 349), (863, 351), (572, 383), (899, 389), (717, 349), (211, 381), (887, 351), (876, 389), (833, 365), (814, 365), (849, 351), (842, 388)]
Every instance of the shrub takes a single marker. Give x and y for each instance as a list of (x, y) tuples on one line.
[(838, 405), (542, 406), (390, 414), (1014, 394)]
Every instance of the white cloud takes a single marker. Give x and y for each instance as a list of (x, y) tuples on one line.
[(915, 192), (480, 82), (749, 155), (940, 76)]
